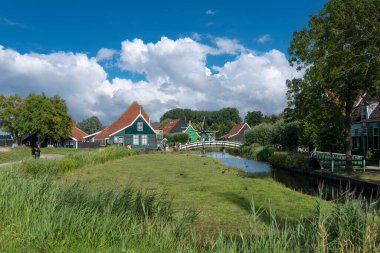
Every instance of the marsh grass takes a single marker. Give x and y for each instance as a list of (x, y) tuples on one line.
[(39, 216), (73, 161)]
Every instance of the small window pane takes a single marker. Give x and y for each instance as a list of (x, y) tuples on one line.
[(144, 139), (135, 140)]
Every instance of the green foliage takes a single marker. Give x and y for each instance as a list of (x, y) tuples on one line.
[(90, 125), (223, 116), (9, 113), (287, 161), (261, 134), (178, 137), (74, 161), (44, 118), (286, 134), (339, 52), (254, 118)]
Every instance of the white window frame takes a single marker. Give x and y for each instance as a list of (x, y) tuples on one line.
[(136, 140), (144, 139), (121, 139), (140, 126), (376, 136)]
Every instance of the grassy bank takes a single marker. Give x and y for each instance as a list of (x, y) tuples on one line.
[(14, 154), (221, 196), (39, 216)]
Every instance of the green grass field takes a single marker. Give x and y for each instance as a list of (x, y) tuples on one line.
[(223, 200)]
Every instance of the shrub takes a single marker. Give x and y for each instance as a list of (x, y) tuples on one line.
[(261, 134), (286, 161), (265, 153), (178, 137)]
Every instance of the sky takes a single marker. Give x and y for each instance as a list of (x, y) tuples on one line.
[(100, 56)]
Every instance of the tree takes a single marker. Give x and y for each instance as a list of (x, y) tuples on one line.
[(90, 125), (254, 118), (44, 118), (9, 112), (340, 54)]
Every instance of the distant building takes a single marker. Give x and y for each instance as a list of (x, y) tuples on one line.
[(193, 134), (132, 128), (5, 139), (174, 126), (237, 133), (365, 125)]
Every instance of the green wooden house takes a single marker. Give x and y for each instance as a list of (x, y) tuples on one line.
[(131, 129), (365, 129), (193, 134)]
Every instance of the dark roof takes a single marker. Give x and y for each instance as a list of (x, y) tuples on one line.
[(123, 121), (170, 125), (375, 114), (235, 130)]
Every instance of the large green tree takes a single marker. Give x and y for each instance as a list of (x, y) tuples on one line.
[(90, 125), (9, 112), (44, 118), (339, 52), (254, 118)]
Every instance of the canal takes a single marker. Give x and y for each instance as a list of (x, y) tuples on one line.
[(307, 184)]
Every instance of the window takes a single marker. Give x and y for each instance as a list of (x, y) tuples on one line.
[(135, 140), (144, 139), (121, 140), (375, 138), (139, 126), (118, 139)]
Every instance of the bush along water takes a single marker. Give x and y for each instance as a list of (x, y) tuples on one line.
[(289, 161), (74, 161)]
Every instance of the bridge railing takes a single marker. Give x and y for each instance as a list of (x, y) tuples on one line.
[(218, 144)]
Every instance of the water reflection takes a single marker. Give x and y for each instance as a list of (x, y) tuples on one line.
[(237, 161), (300, 182)]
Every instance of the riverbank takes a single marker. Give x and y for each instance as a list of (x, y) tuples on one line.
[(220, 194)]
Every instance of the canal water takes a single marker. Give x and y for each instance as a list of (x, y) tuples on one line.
[(299, 182)]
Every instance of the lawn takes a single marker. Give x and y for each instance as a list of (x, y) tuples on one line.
[(221, 197), (369, 176), (21, 153), (14, 154)]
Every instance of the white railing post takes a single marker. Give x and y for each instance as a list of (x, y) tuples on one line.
[(332, 165), (364, 165)]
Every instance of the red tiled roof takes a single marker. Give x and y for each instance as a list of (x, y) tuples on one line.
[(123, 121), (169, 126), (235, 130), (77, 133), (155, 125)]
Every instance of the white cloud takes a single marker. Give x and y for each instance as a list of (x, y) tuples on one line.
[(176, 76), (229, 46), (264, 39), (210, 12), (105, 54)]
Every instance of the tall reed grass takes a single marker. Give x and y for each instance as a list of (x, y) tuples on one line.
[(74, 161)]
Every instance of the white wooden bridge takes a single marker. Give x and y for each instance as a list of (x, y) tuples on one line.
[(210, 144)]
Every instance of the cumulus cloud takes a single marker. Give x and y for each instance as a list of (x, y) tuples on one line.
[(105, 54), (264, 39), (176, 75)]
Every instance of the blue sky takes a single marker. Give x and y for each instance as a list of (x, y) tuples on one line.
[(40, 29)]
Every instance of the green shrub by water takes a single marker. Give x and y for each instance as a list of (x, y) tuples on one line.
[(74, 161), (287, 161)]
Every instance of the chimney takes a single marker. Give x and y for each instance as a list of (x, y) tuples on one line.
[(189, 122), (140, 109)]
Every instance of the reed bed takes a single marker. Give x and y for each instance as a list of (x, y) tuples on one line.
[(74, 161)]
